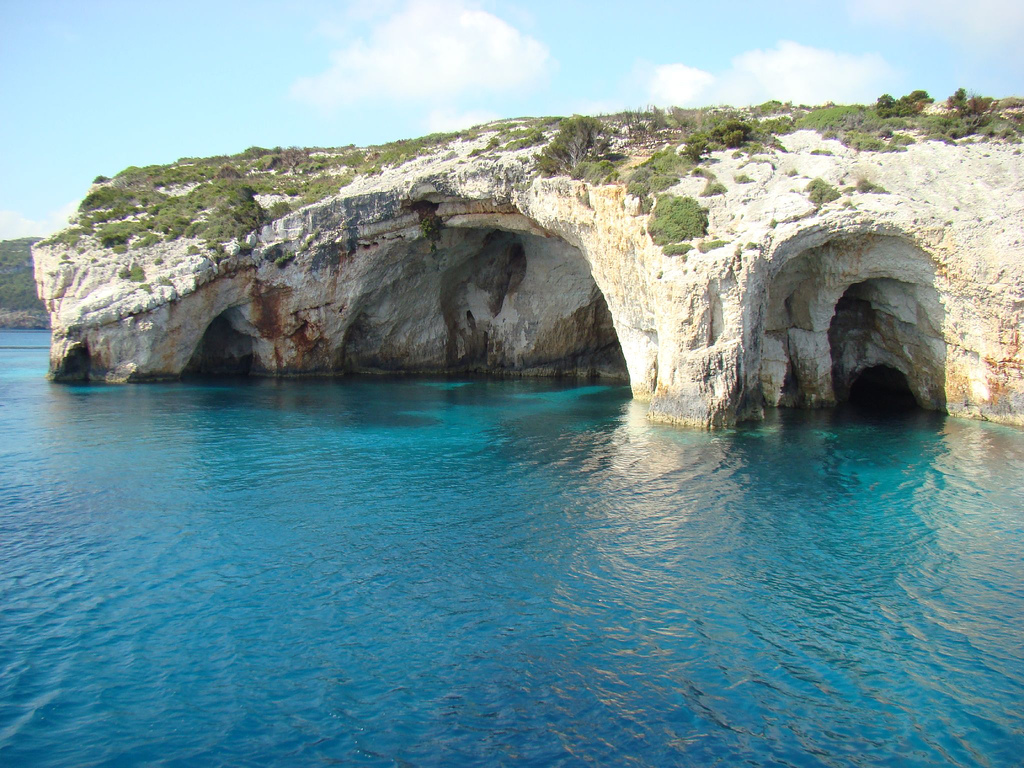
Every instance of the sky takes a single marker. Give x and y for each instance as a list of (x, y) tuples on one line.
[(90, 88)]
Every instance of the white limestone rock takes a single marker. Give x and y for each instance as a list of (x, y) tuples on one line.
[(542, 275)]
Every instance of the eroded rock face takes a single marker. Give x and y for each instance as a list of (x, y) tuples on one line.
[(531, 276), (845, 306)]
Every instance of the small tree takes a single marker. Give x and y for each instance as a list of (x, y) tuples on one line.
[(579, 138), (958, 101), (974, 110), (697, 146), (731, 133), (906, 106)]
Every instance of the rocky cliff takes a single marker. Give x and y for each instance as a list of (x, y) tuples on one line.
[(461, 260)]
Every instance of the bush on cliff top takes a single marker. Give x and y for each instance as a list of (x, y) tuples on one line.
[(676, 219), (579, 138), (659, 172)]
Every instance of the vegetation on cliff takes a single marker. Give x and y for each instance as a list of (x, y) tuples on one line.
[(19, 304), (219, 200)]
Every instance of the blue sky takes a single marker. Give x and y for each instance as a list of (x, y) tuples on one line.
[(88, 88)]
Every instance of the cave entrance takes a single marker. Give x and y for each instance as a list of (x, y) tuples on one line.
[(831, 338), (487, 300), (226, 348), (885, 349), (76, 364), (883, 389)]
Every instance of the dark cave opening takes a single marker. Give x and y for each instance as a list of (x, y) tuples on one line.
[(885, 357), (76, 364), (223, 350), (826, 331), (882, 389)]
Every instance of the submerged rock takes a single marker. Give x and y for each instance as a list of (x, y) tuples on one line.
[(463, 262)]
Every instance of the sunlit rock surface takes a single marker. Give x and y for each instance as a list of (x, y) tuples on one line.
[(453, 263)]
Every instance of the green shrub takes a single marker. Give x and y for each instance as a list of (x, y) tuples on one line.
[(68, 237), (969, 105), (135, 273), (430, 228), (677, 249), (743, 179), (828, 118), (697, 147), (905, 106), (107, 197), (525, 138), (946, 127), (864, 142), (866, 187), (676, 219), (279, 210), (731, 133), (579, 138), (657, 173), (644, 183), (596, 172), (820, 192), (228, 171), (713, 188), (119, 233), (667, 162), (710, 245)]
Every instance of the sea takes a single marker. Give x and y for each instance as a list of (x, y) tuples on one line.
[(426, 572)]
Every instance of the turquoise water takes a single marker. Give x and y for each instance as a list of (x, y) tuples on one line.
[(408, 572)]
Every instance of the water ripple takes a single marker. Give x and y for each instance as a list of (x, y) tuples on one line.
[(398, 572)]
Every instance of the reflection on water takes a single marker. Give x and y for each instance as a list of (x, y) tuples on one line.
[(376, 571)]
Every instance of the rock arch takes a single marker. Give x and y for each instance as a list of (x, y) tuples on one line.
[(850, 304), (482, 292), (492, 294)]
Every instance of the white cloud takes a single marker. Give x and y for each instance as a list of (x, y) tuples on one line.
[(983, 25), (788, 72), (430, 50), (14, 224), (678, 84), (440, 120), (805, 75)]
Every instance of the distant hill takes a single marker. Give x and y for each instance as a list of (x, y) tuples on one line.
[(19, 305)]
